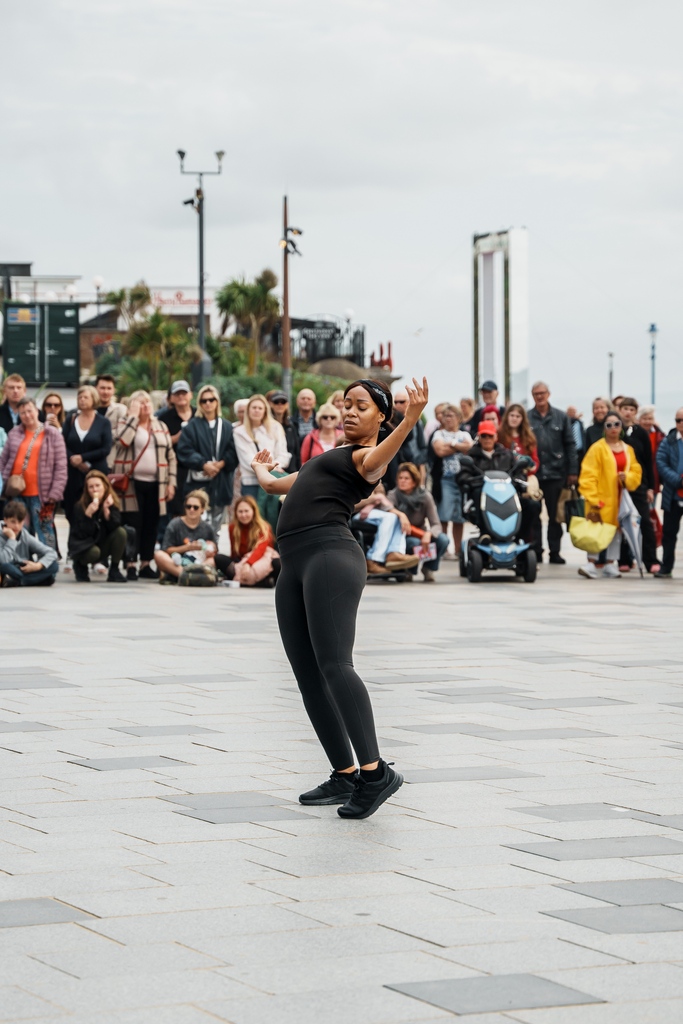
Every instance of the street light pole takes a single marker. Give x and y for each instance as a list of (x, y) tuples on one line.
[(98, 282), (204, 367), (652, 331), (610, 356), (288, 245)]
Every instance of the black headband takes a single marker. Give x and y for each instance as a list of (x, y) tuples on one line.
[(378, 395)]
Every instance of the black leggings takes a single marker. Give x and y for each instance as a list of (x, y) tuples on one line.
[(146, 519), (320, 585)]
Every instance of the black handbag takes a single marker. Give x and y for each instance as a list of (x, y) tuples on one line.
[(574, 506)]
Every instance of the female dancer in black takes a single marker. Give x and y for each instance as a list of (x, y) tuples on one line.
[(320, 585)]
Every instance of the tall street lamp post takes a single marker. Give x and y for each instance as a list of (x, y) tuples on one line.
[(652, 331), (202, 369), (288, 245)]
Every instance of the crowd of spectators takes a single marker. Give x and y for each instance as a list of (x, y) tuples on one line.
[(146, 491)]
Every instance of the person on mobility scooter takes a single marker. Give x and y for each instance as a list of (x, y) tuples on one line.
[(492, 478)]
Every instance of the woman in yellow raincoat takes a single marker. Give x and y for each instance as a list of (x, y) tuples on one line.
[(609, 466)]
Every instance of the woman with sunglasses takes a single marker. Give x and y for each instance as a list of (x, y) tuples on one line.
[(321, 581), (206, 447), (323, 437), (609, 466), (279, 407), (185, 537), (53, 410)]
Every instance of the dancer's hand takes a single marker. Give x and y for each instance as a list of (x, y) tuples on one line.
[(417, 400), (265, 459)]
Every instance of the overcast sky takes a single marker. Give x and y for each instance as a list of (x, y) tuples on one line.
[(398, 129)]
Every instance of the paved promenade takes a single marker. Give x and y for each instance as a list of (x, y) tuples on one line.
[(156, 868)]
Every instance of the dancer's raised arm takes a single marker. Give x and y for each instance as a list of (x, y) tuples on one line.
[(262, 464), (371, 464)]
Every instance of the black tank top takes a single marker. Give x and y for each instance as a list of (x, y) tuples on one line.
[(324, 493)]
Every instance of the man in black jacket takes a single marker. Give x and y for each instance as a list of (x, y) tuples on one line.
[(559, 462), (486, 454), (644, 495), (14, 389)]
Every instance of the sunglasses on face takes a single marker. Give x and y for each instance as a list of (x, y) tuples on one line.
[(328, 417), (679, 419), (279, 401), (207, 400), (613, 426), (194, 508), (53, 405), (399, 401)]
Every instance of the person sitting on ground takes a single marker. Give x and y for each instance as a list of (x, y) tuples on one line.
[(253, 559), (324, 437), (418, 505), (609, 466), (448, 444), (387, 552), (96, 535), (17, 550), (188, 539)]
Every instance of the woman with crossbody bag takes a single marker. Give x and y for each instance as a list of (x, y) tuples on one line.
[(33, 466), (145, 464), (207, 450), (258, 432)]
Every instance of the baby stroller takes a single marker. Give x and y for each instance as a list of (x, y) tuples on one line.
[(492, 504)]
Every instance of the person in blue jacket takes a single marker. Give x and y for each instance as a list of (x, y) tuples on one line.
[(670, 469)]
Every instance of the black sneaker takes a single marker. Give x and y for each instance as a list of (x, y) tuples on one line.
[(81, 574), (115, 575), (8, 581), (555, 558), (131, 574), (661, 575), (368, 796), (148, 573), (335, 790)]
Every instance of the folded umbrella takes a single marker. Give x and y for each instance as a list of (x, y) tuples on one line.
[(629, 521)]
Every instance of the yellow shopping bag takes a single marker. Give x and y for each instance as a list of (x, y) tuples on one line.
[(590, 537)]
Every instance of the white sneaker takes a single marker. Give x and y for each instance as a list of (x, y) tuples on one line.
[(611, 571), (100, 569), (589, 571)]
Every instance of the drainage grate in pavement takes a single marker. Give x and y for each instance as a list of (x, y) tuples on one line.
[(494, 994)]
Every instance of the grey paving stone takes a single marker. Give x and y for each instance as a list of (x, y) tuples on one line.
[(411, 677), (107, 616), (204, 677), (630, 891), (623, 920), (113, 764), (602, 849), (25, 727), (22, 913), (503, 734), (163, 730), (225, 815), (491, 994), (474, 774), (464, 691), (667, 820), (203, 801), (532, 703), (10, 682), (577, 812)]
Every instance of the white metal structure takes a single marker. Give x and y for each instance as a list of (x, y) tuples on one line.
[(501, 311)]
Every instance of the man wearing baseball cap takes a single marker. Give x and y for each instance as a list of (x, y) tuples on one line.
[(487, 454), (176, 416), (489, 396)]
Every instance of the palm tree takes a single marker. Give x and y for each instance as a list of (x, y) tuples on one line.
[(158, 340), (250, 305), (129, 303)]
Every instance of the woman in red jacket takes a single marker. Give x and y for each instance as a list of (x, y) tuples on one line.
[(253, 559), (324, 438)]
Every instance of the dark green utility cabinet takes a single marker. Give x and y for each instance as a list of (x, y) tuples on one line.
[(41, 342)]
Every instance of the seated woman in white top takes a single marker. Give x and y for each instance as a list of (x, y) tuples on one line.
[(258, 431)]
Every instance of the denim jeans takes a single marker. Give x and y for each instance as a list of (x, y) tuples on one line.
[(41, 578), (389, 536), (41, 520), (440, 539)]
